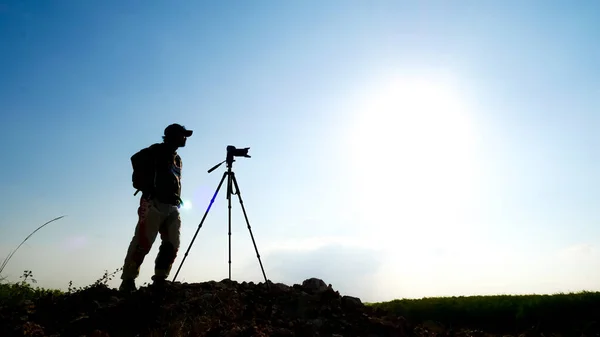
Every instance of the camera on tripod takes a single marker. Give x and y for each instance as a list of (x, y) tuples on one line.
[(232, 152), (235, 152)]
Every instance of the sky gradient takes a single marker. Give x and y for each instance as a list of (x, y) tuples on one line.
[(399, 148)]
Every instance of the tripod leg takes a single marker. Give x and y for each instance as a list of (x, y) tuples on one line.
[(229, 217), (201, 222), (249, 228)]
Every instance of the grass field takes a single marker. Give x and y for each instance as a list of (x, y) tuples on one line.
[(570, 314)]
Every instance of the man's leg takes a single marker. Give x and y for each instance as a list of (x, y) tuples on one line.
[(170, 237), (145, 233)]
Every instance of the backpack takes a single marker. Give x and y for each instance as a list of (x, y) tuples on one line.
[(144, 168)]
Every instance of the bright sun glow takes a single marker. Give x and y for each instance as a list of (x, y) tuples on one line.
[(412, 157)]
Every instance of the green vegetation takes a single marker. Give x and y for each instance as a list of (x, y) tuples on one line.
[(19, 292), (572, 313)]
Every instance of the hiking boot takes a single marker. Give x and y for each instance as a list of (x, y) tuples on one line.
[(159, 282), (127, 286)]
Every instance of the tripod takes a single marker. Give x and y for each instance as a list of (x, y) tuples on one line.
[(231, 182)]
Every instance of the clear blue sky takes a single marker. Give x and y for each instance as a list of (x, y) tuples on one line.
[(399, 148)]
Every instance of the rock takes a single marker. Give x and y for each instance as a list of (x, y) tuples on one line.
[(351, 302), (99, 333), (282, 287), (435, 327), (317, 322), (32, 329), (314, 285)]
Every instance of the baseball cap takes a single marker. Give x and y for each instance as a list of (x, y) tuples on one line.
[(176, 130)]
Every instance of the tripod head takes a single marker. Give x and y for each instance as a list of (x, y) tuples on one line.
[(232, 152)]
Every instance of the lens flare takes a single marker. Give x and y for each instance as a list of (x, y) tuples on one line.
[(75, 242), (187, 205)]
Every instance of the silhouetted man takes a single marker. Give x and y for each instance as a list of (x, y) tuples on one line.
[(157, 174)]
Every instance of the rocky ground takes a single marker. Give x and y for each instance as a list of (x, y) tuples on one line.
[(223, 308)]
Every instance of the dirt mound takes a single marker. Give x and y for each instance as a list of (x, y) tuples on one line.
[(225, 308)]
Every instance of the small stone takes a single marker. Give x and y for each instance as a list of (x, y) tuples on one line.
[(317, 322), (207, 296), (99, 333)]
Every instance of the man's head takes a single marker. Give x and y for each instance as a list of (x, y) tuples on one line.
[(176, 135)]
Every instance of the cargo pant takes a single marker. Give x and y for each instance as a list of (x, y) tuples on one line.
[(154, 217)]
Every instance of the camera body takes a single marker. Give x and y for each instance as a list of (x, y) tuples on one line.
[(232, 152), (235, 152)]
